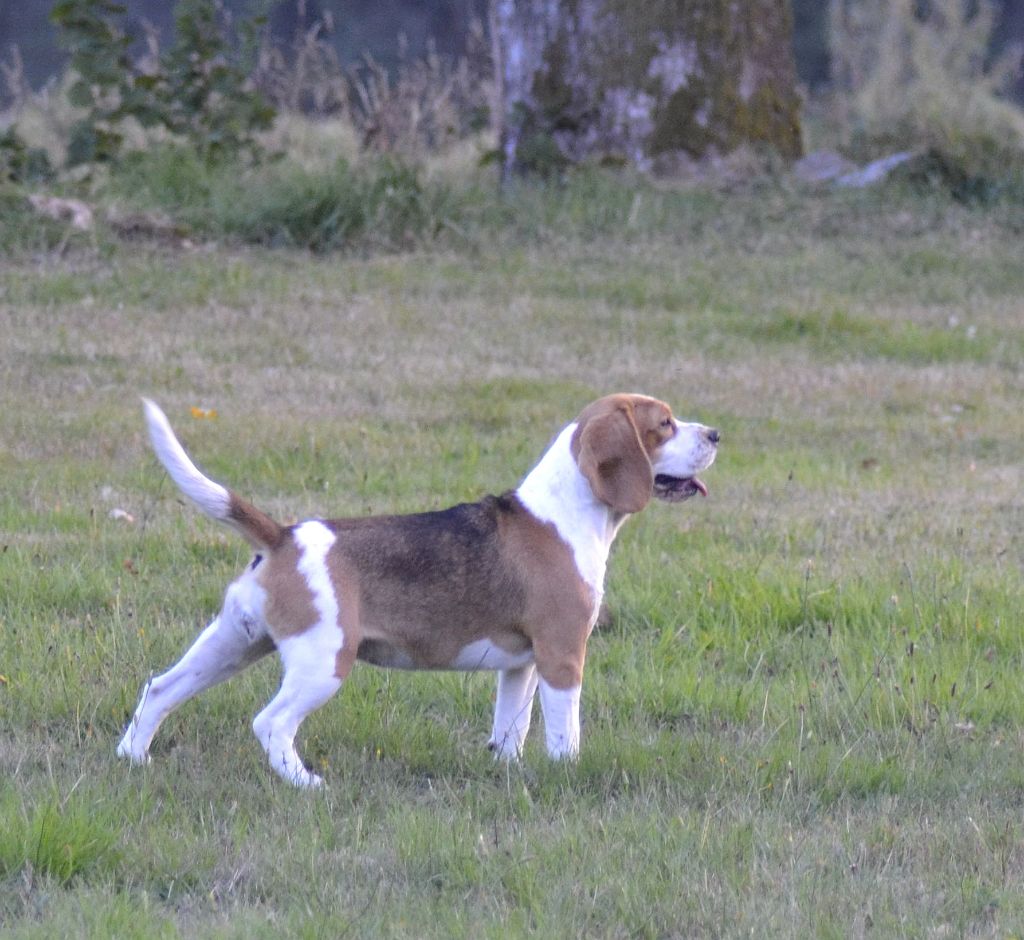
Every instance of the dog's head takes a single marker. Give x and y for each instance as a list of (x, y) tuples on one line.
[(630, 448)]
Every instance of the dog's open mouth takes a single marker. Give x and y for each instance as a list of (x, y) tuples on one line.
[(676, 489)]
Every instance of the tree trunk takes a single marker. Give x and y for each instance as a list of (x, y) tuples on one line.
[(649, 82)]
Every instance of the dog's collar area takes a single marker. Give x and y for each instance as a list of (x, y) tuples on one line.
[(675, 489)]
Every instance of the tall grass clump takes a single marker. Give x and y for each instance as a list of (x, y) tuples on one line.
[(21, 228), (920, 76), (64, 839), (373, 203), (429, 103), (386, 203)]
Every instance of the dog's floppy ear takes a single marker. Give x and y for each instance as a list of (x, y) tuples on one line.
[(611, 457)]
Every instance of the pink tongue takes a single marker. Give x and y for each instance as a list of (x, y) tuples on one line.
[(700, 486)]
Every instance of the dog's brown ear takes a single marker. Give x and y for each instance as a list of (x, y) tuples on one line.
[(611, 457)]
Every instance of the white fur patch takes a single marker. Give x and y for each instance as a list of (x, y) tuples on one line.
[(513, 709), (314, 540), (561, 708), (236, 638), (211, 498), (686, 453), (483, 654), (556, 491), (309, 661)]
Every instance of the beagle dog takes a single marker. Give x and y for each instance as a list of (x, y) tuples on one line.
[(512, 583)]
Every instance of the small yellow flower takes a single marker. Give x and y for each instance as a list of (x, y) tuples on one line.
[(201, 413)]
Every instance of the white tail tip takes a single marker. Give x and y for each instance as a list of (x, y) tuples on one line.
[(211, 498)]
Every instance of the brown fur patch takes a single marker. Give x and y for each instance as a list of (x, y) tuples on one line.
[(613, 443), (346, 592), (345, 660), (416, 590), (290, 607), (255, 525), (559, 605)]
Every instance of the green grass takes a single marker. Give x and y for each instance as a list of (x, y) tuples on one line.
[(804, 715), (21, 229)]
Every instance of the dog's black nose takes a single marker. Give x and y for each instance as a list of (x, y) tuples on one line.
[(713, 435)]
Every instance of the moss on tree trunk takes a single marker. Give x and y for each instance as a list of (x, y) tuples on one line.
[(645, 82)]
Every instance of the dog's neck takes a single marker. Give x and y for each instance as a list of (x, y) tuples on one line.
[(556, 491)]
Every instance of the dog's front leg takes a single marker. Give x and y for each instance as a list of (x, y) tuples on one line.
[(561, 708), (513, 709)]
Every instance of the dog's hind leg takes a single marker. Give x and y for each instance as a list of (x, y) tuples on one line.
[(236, 638), (314, 667), (315, 661)]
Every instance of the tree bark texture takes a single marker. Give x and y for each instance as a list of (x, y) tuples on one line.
[(644, 81)]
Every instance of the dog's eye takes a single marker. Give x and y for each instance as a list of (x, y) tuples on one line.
[(666, 423)]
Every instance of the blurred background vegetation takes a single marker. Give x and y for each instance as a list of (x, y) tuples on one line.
[(360, 27), (373, 26), (319, 120)]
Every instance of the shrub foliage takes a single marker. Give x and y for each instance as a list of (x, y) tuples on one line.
[(921, 76), (198, 89), (20, 163)]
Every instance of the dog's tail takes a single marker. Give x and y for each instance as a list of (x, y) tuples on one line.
[(214, 500)]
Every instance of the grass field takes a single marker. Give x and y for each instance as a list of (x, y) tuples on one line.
[(805, 715)]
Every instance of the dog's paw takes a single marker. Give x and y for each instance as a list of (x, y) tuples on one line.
[(305, 780), (127, 750), (504, 750)]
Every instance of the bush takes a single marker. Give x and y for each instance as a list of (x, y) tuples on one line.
[(20, 163), (22, 229), (106, 84), (206, 95), (967, 178), (198, 89), (918, 76)]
